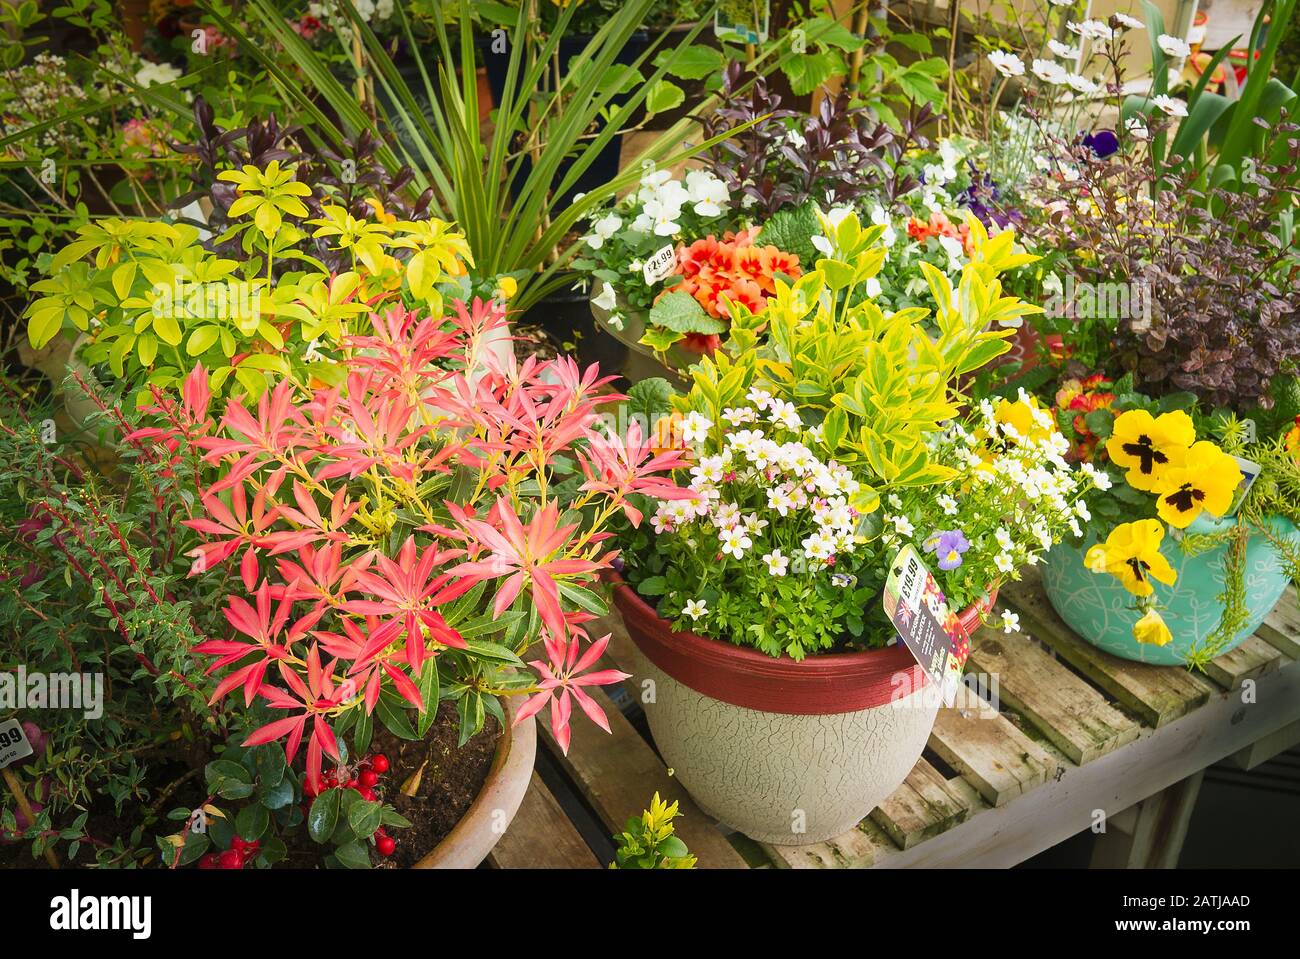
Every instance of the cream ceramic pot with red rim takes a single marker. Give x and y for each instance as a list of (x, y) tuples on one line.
[(785, 752)]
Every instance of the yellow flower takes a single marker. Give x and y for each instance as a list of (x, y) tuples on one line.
[(1132, 555), (382, 215), (1151, 629), (1207, 479), (1022, 416), (507, 287), (1146, 446)]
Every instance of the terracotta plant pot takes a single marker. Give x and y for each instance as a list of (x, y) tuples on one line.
[(786, 752), (469, 843)]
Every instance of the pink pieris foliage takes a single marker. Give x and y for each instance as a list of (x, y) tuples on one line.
[(409, 535)]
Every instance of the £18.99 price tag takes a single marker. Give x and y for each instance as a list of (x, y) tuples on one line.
[(13, 743), (661, 265), (934, 633)]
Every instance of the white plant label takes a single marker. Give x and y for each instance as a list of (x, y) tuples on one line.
[(660, 266), (13, 743), (1249, 473)]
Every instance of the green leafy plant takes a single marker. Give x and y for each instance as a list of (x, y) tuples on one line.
[(648, 841), (504, 194)]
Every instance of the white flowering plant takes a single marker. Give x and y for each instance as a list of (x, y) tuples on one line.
[(825, 435), (663, 211)]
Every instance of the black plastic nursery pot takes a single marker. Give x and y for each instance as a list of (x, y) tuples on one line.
[(605, 166), (566, 318)]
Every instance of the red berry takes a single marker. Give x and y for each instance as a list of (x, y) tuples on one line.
[(238, 844), (368, 795), (386, 845), (231, 859), (208, 861), (353, 783), (368, 779), (379, 763)]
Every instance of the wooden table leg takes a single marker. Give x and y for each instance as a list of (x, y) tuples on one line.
[(1153, 838)]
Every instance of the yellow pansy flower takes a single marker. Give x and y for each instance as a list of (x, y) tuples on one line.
[(1132, 555), (1205, 480), (1021, 416), (1151, 629), (1147, 445)]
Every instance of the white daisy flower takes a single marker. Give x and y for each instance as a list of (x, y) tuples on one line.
[(1062, 50), (1007, 64), (1049, 71), (1173, 46), (1170, 105)]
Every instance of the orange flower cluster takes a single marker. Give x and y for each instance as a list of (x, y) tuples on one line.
[(1292, 440), (1082, 397), (939, 225), (733, 268)]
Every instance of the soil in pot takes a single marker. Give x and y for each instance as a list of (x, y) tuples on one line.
[(452, 779)]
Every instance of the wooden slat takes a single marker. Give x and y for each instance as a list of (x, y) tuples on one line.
[(1250, 660), (1157, 694), (618, 773), (858, 848), (923, 806), (993, 755), (1281, 628), (541, 836), (1069, 712)]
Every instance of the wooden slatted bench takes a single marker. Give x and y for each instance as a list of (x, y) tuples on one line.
[(1076, 737)]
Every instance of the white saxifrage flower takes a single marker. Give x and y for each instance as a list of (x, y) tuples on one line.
[(695, 608), (735, 541), (777, 562), (695, 427)]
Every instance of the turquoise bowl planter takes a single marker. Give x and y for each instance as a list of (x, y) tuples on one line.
[(1101, 611)]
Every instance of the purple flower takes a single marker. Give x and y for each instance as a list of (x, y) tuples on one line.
[(1103, 143), (948, 545), (982, 198)]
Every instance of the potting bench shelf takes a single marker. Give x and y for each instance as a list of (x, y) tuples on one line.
[(1078, 737)]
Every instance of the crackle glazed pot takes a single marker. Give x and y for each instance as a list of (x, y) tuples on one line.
[(1100, 609), (785, 752)]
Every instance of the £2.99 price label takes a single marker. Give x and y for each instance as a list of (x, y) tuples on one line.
[(13, 743)]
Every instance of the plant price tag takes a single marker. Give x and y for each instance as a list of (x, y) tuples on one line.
[(13, 743), (661, 265), (1249, 473), (917, 608)]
